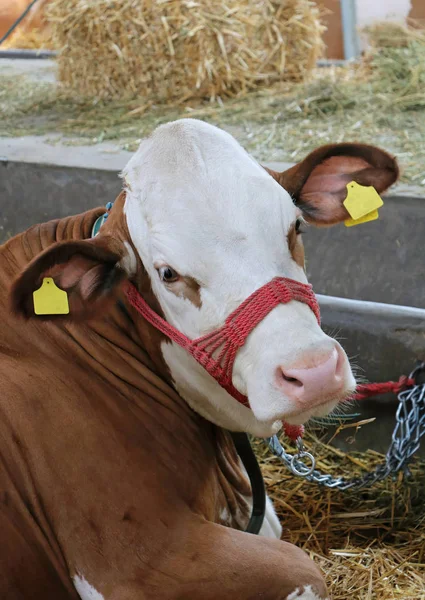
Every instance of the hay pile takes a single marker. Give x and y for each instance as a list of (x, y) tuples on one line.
[(397, 65), (39, 38), (381, 101), (369, 544), (175, 50), (389, 77)]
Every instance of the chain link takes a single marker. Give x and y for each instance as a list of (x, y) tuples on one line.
[(408, 430)]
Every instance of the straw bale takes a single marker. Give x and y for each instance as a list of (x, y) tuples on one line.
[(175, 50)]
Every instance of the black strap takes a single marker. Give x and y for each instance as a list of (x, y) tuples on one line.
[(252, 467)]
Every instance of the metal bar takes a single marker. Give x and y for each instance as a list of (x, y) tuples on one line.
[(331, 62), (365, 308), (349, 29), (21, 53)]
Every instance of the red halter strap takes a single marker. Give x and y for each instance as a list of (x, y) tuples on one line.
[(216, 351)]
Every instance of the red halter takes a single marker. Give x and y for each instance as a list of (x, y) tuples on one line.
[(216, 351)]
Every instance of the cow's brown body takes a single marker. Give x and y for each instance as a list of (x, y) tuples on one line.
[(107, 473)]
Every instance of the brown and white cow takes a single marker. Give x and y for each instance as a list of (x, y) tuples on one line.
[(118, 478)]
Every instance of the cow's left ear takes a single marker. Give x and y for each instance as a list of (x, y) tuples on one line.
[(90, 271), (318, 183)]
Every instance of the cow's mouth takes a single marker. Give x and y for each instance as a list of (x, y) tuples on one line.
[(321, 410)]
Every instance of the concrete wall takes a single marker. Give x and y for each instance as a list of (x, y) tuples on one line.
[(381, 261), (369, 12), (383, 342)]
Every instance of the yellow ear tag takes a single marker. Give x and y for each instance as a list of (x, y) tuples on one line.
[(370, 217), (361, 203), (50, 300)]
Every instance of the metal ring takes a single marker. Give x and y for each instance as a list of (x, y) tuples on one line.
[(417, 371), (296, 462)]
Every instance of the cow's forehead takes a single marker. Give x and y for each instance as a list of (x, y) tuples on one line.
[(187, 146), (194, 183), (191, 165)]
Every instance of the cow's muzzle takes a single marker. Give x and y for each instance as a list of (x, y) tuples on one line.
[(216, 351)]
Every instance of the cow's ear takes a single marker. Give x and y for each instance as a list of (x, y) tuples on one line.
[(90, 271), (318, 183)]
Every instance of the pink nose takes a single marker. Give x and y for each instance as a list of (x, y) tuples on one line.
[(315, 384)]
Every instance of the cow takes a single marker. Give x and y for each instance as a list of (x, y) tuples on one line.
[(119, 479)]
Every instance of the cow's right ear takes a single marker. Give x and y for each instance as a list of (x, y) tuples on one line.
[(89, 271)]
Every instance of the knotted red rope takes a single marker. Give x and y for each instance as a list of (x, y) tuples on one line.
[(293, 431), (363, 391), (367, 390), (216, 351)]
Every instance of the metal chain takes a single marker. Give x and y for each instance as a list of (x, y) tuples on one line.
[(408, 430)]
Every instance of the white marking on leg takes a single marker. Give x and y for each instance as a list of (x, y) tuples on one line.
[(271, 526), (306, 594), (85, 590), (224, 515)]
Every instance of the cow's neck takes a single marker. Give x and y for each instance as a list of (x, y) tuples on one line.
[(114, 361), (17, 252)]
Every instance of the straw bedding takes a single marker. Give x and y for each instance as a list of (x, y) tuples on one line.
[(176, 50), (370, 544)]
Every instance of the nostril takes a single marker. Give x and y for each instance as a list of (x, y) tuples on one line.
[(292, 380), (307, 381), (339, 369)]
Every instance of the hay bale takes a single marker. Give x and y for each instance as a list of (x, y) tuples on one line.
[(175, 50)]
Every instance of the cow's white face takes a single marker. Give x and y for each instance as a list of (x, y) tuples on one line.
[(211, 226)]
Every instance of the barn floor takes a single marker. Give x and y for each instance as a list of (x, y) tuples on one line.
[(370, 544)]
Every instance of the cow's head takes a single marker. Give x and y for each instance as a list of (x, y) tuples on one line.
[(203, 226)]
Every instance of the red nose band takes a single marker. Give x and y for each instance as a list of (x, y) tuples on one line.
[(216, 351)]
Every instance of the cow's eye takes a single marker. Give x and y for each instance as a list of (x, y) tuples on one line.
[(298, 226), (168, 274)]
